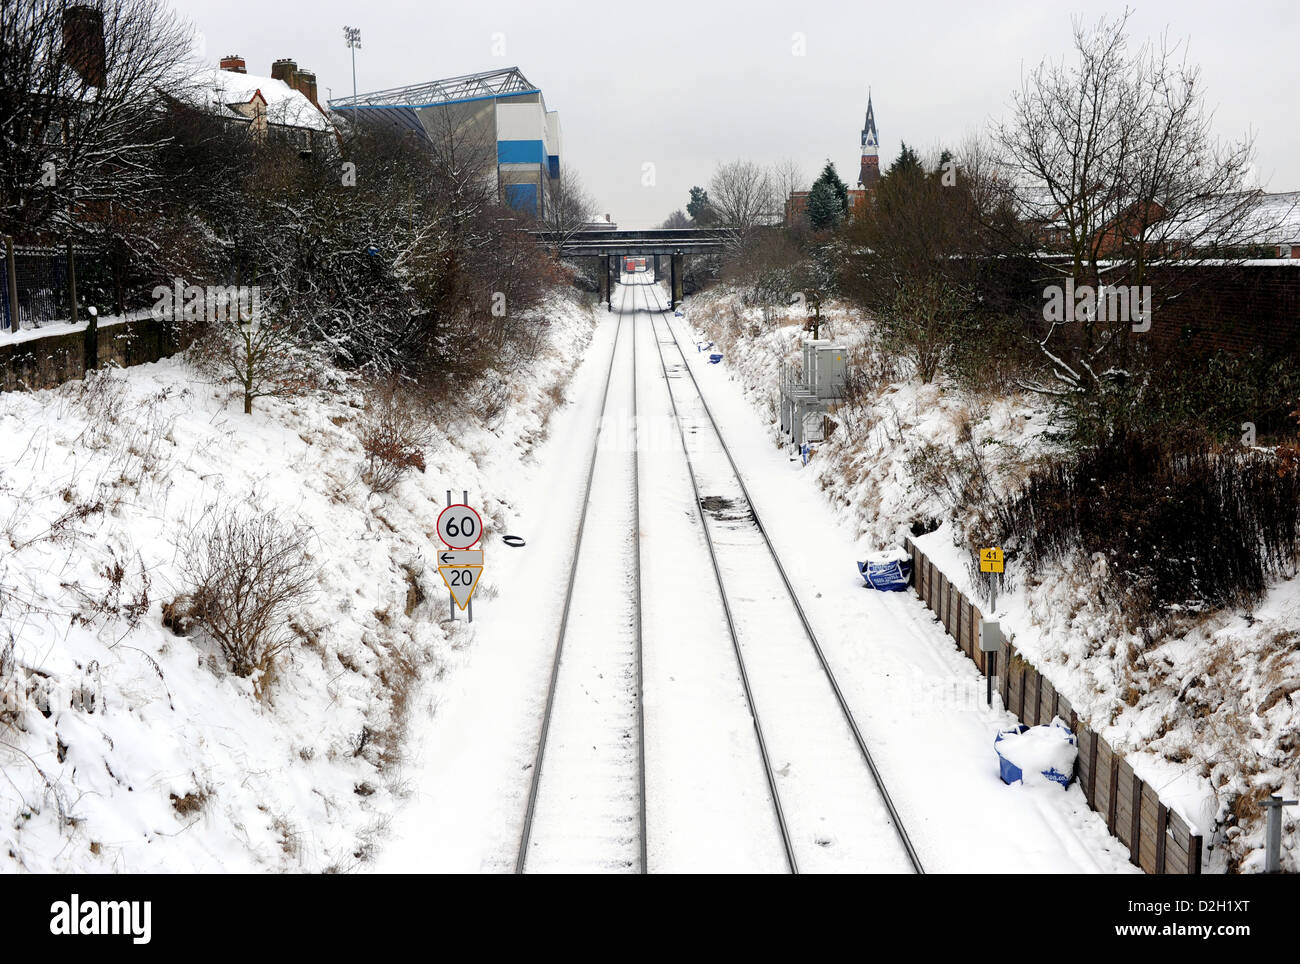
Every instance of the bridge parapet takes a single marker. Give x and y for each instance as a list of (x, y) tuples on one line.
[(628, 243)]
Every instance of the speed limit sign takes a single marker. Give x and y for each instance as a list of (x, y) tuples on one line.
[(459, 526)]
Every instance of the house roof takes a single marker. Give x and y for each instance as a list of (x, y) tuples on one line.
[(1249, 218), (1278, 217), (216, 91)]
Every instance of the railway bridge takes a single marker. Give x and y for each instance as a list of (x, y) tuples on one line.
[(671, 243)]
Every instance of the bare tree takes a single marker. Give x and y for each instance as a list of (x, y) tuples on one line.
[(1113, 158), (787, 177), (263, 355), (741, 193), (75, 114), (567, 208), (464, 152)]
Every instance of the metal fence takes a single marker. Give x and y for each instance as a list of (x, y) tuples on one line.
[(39, 277)]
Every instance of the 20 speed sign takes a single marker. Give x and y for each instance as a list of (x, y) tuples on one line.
[(459, 526)]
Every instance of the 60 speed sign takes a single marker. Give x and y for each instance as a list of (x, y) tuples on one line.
[(459, 526)]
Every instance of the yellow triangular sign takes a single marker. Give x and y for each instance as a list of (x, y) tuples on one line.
[(462, 581)]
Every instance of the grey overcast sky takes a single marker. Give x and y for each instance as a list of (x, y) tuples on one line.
[(684, 85)]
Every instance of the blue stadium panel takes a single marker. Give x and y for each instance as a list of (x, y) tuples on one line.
[(523, 198), (521, 152), (553, 164)]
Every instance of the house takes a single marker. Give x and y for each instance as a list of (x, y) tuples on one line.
[(283, 105)]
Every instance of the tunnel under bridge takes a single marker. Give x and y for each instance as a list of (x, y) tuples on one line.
[(672, 244)]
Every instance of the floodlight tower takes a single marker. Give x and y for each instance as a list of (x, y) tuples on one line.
[(353, 37)]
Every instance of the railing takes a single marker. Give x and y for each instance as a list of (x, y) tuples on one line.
[(35, 288)]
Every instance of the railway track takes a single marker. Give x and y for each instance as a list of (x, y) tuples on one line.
[(586, 800), (832, 824), (586, 806)]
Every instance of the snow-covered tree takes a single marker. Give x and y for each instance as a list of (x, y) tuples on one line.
[(78, 91)]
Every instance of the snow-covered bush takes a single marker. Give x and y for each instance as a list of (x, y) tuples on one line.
[(247, 574), (1181, 524), (394, 435)]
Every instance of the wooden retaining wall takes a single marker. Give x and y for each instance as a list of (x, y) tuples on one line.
[(1158, 839)]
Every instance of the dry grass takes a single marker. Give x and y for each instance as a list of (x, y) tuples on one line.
[(399, 673), (395, 432), (190, 803)]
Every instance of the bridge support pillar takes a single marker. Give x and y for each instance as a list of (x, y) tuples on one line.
[(604, 277), (655, 269), (676, 266)]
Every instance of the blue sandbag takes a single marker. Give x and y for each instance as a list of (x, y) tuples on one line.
[(1009, 772), (715, 358), (888, 571), (1061, 743)]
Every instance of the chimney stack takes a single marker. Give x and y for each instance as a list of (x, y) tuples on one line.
[(285, 69), (234, 63), (83, 44), (307, 85)]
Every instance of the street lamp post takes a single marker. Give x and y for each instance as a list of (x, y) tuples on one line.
[(353, 37)]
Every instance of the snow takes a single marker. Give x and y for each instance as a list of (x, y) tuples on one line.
[(350, 762), (136, 750), (894, 554), (51, 329), (216, 90), (918, 700)]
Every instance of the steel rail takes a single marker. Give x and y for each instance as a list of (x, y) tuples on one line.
[(636, 562), (906, 840)]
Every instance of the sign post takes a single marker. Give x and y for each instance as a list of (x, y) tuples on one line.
[(1273, 832), (991, 641), (460, 528)]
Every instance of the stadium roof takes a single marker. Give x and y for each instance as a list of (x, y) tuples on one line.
[(507, 82)]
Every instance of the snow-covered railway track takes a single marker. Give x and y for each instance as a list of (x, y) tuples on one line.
[(586, 801), (831, 804)]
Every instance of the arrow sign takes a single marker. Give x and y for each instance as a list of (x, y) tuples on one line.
[(462, 581), (460, 557)]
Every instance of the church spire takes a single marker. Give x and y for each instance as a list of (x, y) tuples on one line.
[(869, 173), (869, 135)]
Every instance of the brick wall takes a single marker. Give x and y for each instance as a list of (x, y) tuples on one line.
[(1235, 308)]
